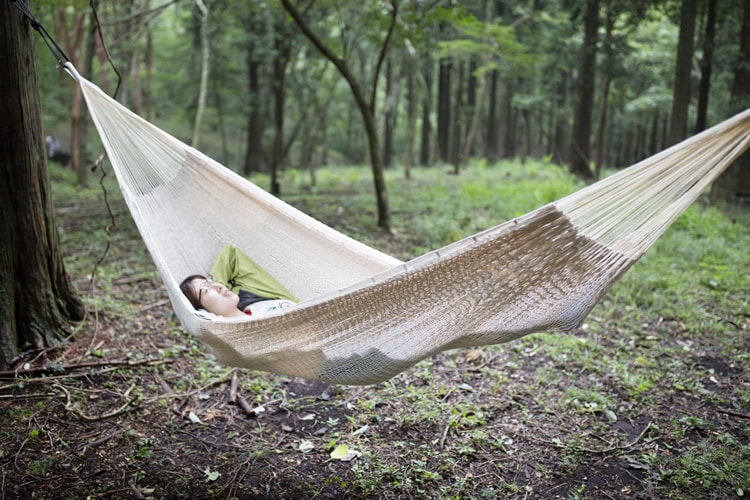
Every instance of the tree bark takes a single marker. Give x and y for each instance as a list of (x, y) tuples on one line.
[(580, 150), (681, 89), (36, 299)]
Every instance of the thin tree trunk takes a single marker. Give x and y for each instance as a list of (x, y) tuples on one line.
[(681, 90), (477, 101), (601, 122), (205, 63), (36, 299), (560, 139), (387, 115), (426, 154), (456, 121), (706, 65), (73, 39), (580, 151), (735, 182), (510, 120), (149, 60), (493, 133), (367, 109), (411, 110), (254, 159), (279, 92), (444, 110)]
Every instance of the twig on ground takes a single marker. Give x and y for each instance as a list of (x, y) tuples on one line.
[(96, 442), (734, 414), (242, 403), (80, 366), (233, 388), (80, 414), (164, 386)]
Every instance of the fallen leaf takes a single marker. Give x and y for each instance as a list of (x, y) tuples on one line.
[(344, 453), (306, 446), (211, 414), (340, 452)]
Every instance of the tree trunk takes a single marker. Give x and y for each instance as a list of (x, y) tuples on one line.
[(425, 149), (601, 120), (149, 60), (706, 66), (205, 61), (477, 101), (444, 110), (681, 90), (455, 139), (73, 39), (36, 299), (254, 159), (580, 150), (388, 115), (510, 120), (734, 184), (493, 132), (367, 109), (411, 111), (559, 137)]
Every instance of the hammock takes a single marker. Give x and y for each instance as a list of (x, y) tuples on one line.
[(364, 316)]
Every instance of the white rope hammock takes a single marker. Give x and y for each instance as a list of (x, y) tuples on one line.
[(364, 316)]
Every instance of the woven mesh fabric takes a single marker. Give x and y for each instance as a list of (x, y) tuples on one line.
[(365, 316)]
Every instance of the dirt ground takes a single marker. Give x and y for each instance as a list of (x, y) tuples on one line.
[(134, 407)]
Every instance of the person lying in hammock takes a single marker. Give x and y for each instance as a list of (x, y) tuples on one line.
[(237, 287)]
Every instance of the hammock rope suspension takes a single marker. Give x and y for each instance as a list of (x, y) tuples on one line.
[(365, 316)]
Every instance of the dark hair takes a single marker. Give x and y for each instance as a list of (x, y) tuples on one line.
[(190, 292)]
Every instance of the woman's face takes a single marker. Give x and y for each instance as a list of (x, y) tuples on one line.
[(215, 297)]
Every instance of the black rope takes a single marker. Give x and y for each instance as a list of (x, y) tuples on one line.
[(52, 45)]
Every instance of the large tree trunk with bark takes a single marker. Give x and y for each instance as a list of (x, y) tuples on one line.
[(36, 299)]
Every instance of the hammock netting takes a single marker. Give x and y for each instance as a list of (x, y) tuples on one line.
[(365, 316)]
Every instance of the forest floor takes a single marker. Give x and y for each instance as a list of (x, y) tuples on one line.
[(638, 403)]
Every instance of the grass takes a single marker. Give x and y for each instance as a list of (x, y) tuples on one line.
[(649, 399)]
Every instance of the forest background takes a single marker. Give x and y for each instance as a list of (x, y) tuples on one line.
[(589, 84)]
